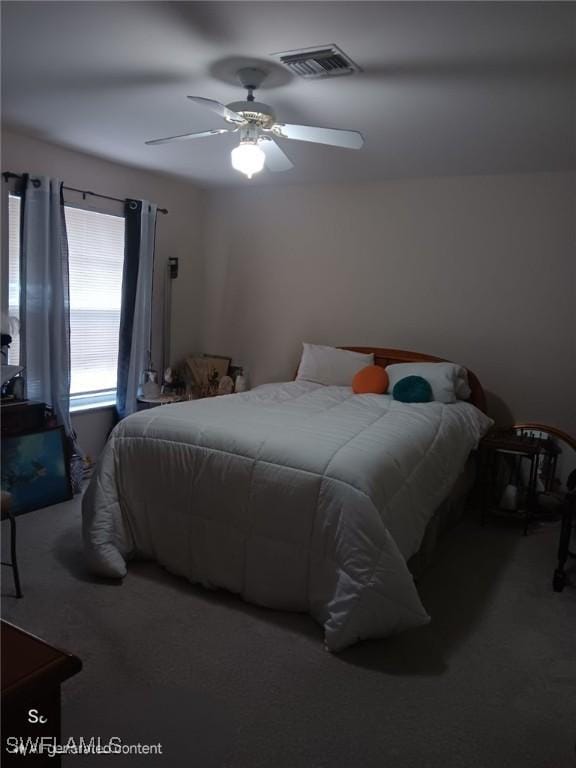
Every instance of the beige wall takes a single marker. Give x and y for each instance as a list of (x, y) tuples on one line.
[(177, 235), (480, 270)]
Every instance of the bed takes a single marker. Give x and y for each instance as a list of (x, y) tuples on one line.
[(296, 496)]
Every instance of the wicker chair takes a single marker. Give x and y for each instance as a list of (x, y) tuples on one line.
[(568, 517)]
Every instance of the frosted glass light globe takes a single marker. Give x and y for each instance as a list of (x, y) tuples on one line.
[(248, 159)]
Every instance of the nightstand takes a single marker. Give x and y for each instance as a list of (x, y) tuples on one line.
[(144, 403), (503, 456)]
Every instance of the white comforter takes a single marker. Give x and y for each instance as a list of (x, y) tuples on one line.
[(296, 496)]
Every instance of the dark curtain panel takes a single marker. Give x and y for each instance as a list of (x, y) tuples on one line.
[(133, 213), (135, 314)]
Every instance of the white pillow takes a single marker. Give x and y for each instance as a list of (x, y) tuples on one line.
[(449, 381), (331, 366)]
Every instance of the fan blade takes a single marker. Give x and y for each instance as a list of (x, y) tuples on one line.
[(276, 160), (220, 109), (332, 136), (185, 136)]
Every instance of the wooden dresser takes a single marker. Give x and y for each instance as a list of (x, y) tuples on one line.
[(18, 416), (32, 673)]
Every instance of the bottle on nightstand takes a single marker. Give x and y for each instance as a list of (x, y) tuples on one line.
[(150, 385), (240, 382)]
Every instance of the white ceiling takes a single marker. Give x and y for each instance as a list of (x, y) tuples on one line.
[(447, 88)]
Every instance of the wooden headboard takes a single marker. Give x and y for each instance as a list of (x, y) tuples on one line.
[(386, 357)]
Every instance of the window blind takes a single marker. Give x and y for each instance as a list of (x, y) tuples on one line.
[(14, 277), (96, 256)]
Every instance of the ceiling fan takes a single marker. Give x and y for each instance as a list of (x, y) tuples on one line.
[(258, 127)]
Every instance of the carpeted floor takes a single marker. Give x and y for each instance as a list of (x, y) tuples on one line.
[(490, 683)]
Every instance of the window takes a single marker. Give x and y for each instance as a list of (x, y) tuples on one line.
[(96, 259), (96, 255)]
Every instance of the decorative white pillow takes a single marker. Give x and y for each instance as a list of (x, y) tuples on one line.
[(331, 366), (449, 381)]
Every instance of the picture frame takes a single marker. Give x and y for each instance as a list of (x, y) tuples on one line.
[(205, 373), (219, 363), (35, 469)]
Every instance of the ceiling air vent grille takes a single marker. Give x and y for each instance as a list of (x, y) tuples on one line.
[(324, 61)]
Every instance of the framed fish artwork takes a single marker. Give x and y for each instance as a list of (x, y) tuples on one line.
[(35, 469)]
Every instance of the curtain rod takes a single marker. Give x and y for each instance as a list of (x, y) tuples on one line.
[(8, 175)]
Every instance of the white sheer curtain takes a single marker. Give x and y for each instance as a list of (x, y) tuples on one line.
[(45, 331)]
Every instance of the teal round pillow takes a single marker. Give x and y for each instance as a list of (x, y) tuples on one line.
[(412, 389)]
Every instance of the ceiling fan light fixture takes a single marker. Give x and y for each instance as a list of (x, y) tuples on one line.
[(248, 158)]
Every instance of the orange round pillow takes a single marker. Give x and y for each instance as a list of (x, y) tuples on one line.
[(370, 380)]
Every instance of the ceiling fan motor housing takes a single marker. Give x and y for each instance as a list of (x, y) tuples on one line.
[(251, 77), (254, 112)]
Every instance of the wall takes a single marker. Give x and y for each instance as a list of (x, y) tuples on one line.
[(480, 270), (477, 269), (177, 235)]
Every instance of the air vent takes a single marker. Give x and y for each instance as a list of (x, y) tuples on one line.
[(323, 61)]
